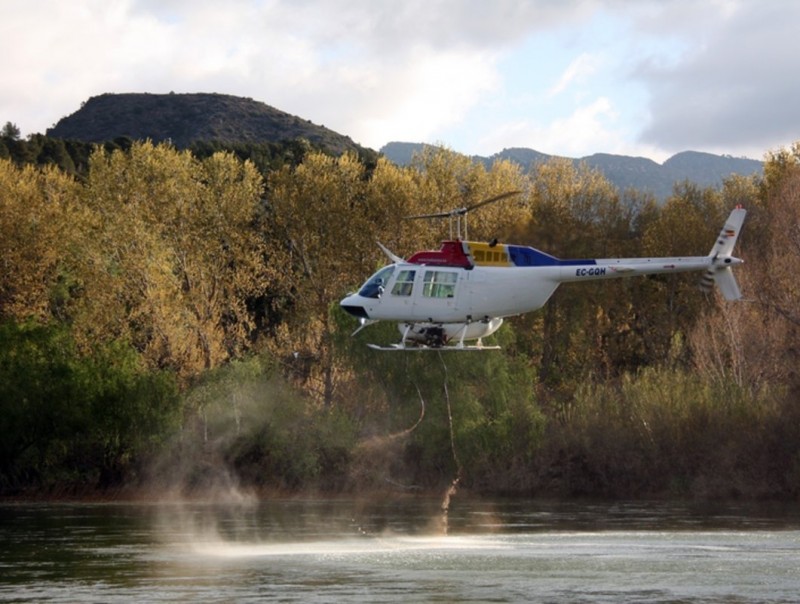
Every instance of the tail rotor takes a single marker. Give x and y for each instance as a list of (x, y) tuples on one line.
[(722, 258)]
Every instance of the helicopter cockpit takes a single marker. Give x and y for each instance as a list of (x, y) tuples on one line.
[(375, 285)]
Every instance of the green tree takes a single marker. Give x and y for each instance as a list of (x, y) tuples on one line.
[(71, 420), (686, 226), (10, 131), (251, 429), (407, 405)]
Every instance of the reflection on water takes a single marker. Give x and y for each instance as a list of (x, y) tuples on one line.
[(293, 551)]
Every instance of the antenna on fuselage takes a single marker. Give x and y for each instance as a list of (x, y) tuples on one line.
[(456, 214)]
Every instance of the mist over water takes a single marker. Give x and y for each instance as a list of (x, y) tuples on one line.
[(393, 551)]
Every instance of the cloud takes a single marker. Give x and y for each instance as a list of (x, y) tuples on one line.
[(424, 95), (335, 62), (57, 54), (591, 127), (584, 65), (735, 89), (715, 75)]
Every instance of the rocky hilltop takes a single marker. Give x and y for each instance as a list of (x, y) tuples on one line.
[(186, 118)]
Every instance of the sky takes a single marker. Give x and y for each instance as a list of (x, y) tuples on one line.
[(643, 78)]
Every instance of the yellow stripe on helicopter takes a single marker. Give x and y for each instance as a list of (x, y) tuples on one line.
[(486, 254)]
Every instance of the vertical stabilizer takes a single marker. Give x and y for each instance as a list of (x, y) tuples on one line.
[(723, 248), (722, 258)]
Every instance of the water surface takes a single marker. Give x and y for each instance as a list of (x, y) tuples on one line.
[(399, 551)]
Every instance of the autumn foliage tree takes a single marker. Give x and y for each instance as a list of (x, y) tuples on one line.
[(40, 220), (317, 238), (172, 255), (158, 272)]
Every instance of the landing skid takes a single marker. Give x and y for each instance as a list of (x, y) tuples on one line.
[(424, 348), (434, 338)]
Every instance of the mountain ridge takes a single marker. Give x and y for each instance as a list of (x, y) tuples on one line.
[(624, 171), (185, 119)]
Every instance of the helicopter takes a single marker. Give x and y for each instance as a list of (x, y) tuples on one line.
[(453, 297)]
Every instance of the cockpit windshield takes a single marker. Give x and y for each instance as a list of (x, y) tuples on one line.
[(376, 284)]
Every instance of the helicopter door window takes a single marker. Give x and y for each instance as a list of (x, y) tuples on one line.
[(376, 284), (439, 284), (404, 284)]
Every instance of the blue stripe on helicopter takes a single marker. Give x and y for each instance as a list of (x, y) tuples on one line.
[(527, 256)]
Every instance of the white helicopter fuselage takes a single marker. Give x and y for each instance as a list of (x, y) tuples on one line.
[(464, 290)]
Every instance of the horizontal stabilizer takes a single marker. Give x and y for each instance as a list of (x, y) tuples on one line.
[(726, 282)]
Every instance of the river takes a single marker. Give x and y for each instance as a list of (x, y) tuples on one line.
[(399, 551)]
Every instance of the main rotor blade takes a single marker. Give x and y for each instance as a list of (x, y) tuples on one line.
[(437, 215), (475, 206), (464, 210)]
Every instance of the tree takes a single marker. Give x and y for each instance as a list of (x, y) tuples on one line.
[(10, 131), (783, 254), (584, 328), (775, 261), (172, 255), (394, 195), (447, 180), (754, 344), (319, 232), (40, 221), (72, 419)]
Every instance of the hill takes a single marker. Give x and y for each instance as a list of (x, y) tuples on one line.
[(703, 169), (186, 118)]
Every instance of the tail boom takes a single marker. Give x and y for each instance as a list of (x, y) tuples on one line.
[(717, 265)]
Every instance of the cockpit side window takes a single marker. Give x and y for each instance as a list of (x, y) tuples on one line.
[(404, 284), (376, 284)]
